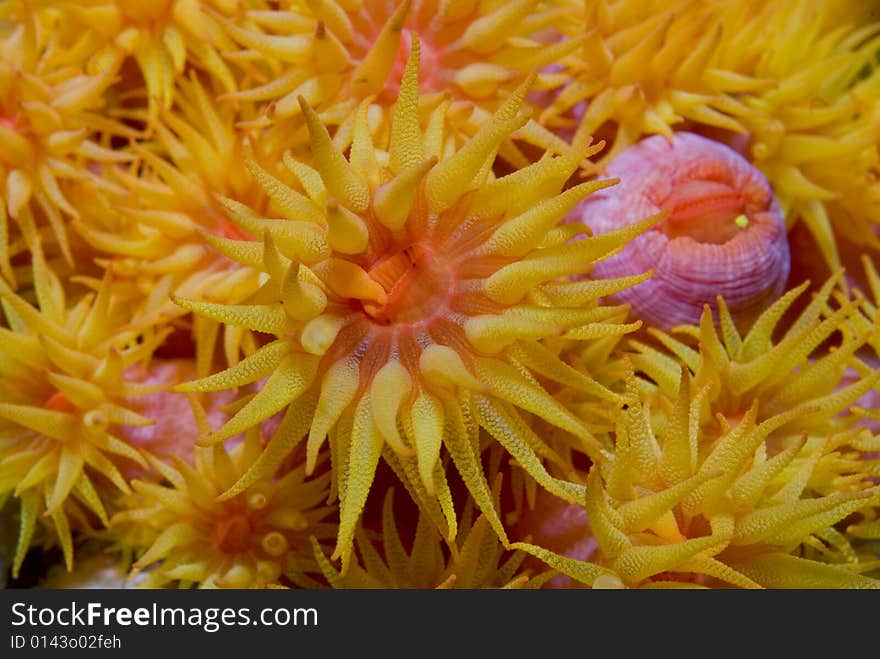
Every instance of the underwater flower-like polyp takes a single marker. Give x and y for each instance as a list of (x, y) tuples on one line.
[(479, 559), (408, 291), (63, 401), (154, 229), (811, 85), (645, 69), (774, 370), (47, 133), (163, 37), (677, 507), (337, 54), (185, 535), (724, 233)]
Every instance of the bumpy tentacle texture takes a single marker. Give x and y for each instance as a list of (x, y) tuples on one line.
[(408, 292), (154, 230), (864, 532), (49, 133), (63, 403), (867, 323), (336, 54), (644, 67), (478, 561), (794, 85), (794, 372), (724, 234), (184, 535), (674, 506), (814, 375), (811, 85)]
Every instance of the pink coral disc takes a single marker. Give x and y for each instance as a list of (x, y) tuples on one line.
[(724, 233), (561, 527), (174, 432)]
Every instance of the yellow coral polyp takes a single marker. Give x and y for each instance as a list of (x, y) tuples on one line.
[(478, 560), (338, 54), (63, 401), (348, 218), (161, 36), (811, 113), (644, 68), (48, 134), (183, 535), (778, 373), (671, 506), (155, 228), (366, 301)]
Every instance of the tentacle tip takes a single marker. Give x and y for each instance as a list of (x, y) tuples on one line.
[(228, 494)]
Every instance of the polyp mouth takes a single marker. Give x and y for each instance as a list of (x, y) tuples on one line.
[(233, 535), (417, 283), (707, 211)]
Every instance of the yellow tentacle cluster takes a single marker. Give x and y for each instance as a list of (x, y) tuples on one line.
[(408, 291), (50, 129), (675, 506), (793, 85), (356, 227), (478, 561), (338, 54), (812, 113), (645, 68), (192, 538), (161, 38), (64, 398)]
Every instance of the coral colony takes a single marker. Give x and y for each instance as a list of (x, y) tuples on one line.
[(440, 293)]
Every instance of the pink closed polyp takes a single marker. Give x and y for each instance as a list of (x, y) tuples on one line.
[(725, 233)]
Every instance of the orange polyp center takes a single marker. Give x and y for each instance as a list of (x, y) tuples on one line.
[(233, 535), (707, 211), (58, 401), (417, 283)]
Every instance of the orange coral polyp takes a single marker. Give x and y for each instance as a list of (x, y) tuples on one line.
[(419, 284)]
